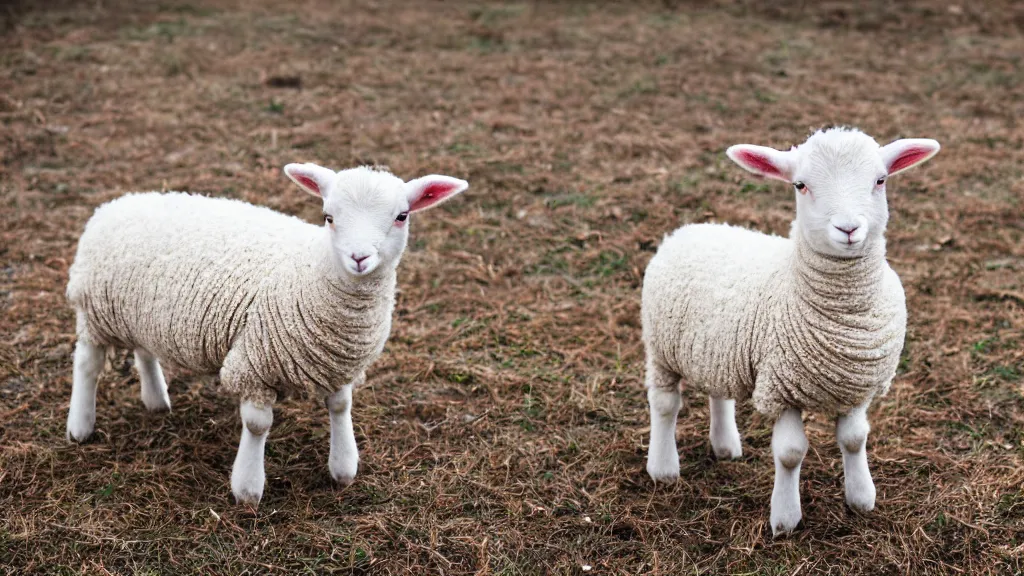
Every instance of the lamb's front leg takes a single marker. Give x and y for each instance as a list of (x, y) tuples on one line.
[(852, 435), (344, 458), (247, 475), (789, 445)]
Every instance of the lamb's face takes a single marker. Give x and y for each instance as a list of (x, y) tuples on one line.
[(839, 178), (839, 183), (367, 211), (367, 215)]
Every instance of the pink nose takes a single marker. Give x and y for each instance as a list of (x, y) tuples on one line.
[(849, 231), (359, 259)]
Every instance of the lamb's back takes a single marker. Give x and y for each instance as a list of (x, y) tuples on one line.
[(701, 295)]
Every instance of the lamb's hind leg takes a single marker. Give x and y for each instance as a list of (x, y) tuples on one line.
[(344, 459), (88, 363), (725, 437), (789, 446), (852, 435), (665, 401), (154, 387)]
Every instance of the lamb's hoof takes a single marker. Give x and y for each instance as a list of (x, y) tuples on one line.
[(156, 402), (343, 479), (665, 473), (784, 522), (344, 473), (248, 498), (79, 430), (247, 490), (862, 498), (728, 451), (160, 405)]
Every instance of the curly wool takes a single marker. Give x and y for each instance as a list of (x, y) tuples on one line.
[(211, 283), (740, 314)]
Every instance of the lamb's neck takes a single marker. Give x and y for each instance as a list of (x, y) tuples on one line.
[(838, 286)]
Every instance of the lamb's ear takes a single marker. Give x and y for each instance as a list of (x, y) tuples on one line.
[(310, 177), (429, 191), (764, 161), (907, 153)]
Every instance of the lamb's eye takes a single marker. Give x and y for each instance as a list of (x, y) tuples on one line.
[(800, 187), (401, 217), (880, 181), (329, 218)]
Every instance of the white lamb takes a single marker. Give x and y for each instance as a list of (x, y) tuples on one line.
[(275, 304), (814, 322)]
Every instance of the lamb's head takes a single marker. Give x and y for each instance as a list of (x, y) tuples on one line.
[(366, 210), (839, 177)]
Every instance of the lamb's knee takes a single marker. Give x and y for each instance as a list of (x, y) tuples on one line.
[(852, 432), (89, 358), (257, 418), (792, 456), (664, 402), (340, 401), (789, 443)]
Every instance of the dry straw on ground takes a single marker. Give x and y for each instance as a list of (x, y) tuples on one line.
[(504, 430)]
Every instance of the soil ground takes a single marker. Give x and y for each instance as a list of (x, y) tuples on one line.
[(504, 429)]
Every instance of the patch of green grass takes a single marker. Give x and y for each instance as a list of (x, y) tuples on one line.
[(560, 200), (487, 42), (74, 54), (640, 87), (755, 188), (904, 364), (1011, 505), (462, 148), (983, 346), (553, 262), (460, 378), (609, 263), (108, 490), (275, 106), (1006, 372), (938, 524), (186, 9), (489, 15), (166, 30), (978, 434)]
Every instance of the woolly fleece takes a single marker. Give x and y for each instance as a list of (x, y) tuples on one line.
[(216, 284), (740, 314)]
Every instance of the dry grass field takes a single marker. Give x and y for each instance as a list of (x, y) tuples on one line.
[(504, 429)]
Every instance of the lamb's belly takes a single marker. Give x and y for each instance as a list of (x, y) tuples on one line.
[(713, 365)]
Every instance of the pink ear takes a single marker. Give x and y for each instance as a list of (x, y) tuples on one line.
[(763, 161), (903, 154), (307, 182), (310, 177), (429, 191)]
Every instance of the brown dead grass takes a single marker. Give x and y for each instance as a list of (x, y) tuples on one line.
[(504, 430)]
